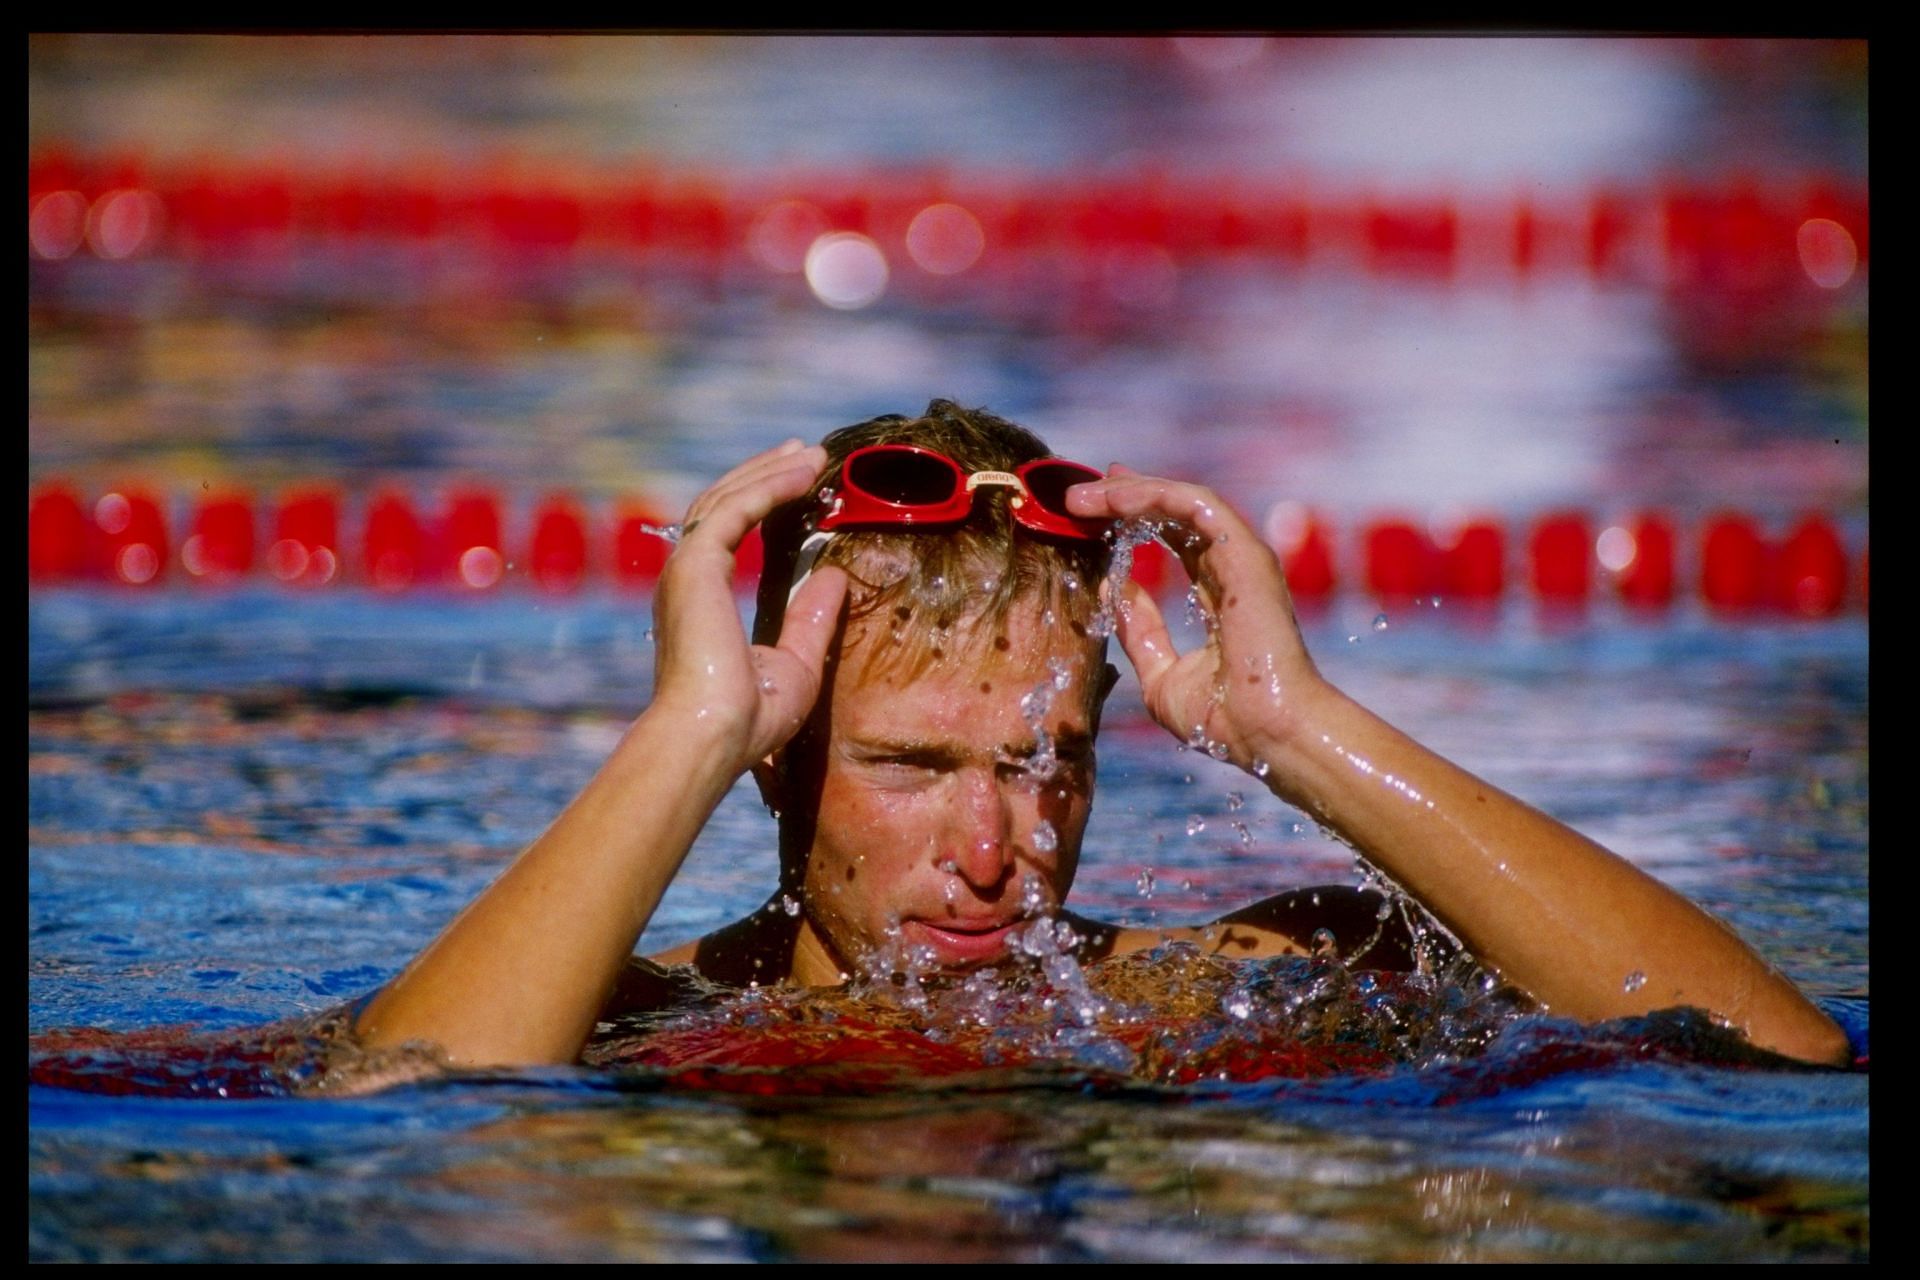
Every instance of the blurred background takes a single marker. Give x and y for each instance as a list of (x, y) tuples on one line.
[(1438, 278)]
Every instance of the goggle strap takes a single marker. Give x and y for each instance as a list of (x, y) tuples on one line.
[(1006, 478)]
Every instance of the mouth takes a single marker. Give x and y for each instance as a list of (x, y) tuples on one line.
[(961, 941)]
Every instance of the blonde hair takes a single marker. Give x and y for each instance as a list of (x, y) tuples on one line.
[(926, 582)]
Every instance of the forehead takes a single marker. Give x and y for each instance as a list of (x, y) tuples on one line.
[(975, 674)]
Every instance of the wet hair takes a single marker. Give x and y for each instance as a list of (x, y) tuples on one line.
[(927, 581)]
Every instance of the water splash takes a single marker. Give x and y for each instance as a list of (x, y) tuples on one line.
[(671, 532), (1044, 763)]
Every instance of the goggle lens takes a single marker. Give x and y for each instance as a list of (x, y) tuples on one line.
[(1048, 482), (906, 479)]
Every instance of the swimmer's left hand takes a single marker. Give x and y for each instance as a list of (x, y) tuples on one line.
[(1244, 690)]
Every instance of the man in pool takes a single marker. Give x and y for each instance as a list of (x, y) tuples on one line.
[(921, 710)]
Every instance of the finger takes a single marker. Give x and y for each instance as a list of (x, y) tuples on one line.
[(791, 674), (813, 616), (1144, 637), (721, 516), (1129, 495), (754, 470)]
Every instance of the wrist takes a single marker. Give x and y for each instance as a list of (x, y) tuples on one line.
[(1280, 748), (696, 736)]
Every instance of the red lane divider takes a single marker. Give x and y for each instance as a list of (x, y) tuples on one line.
[(558, 559), (1475, 563), (1734, 568), (467, 543), (1746, 234), (219, 544), (306, 538), (1643, 565), (1402, 563), (1561, 551)]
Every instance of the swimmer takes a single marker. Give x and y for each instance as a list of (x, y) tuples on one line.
[(920, 704)]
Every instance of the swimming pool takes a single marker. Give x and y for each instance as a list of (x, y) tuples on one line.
[(247, 807), (252, 806)]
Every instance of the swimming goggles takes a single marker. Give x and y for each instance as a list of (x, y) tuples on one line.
[(904, 485)]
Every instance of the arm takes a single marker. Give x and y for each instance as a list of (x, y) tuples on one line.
[(1552, 911), (521, 975)]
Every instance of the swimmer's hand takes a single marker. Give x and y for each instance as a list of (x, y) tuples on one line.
[(522, 974), (1242, 692), (1585, 932), (707, 676)]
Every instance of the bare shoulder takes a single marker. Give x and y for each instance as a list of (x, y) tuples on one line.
[(1289, 924)]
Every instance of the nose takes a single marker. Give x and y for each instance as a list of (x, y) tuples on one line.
[(978, 848)]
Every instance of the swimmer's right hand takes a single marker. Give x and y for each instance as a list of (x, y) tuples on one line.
[(747, 698)]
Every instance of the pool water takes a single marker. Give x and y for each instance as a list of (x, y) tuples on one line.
[(246, 810)]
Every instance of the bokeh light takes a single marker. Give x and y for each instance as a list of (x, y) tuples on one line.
[(1221, 53), (945, 239), (123, 223), (480, 567), (1615, 548), (137, 563), (287, 559), (782, 234), (846, 270), (57, 225), (112, 512), (1827, 252)]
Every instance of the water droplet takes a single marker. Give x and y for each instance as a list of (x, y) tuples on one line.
[(1044, 839), (1238, 1007), (767, 685), (1187, 778), (1324, 942), (1186, 886), (1634, 982), (1196, 824), (1380, 622), (1235, 800), (1353, 639), (671, 532), (1261, 768), (1143, 883), (1246, 836)]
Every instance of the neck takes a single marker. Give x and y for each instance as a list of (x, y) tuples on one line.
[(814, 963)]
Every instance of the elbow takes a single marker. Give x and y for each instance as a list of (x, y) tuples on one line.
[(1818, 1041)]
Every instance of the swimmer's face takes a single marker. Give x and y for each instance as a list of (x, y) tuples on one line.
[(931, 819)]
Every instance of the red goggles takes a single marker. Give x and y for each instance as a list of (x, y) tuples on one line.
[(903, 484)]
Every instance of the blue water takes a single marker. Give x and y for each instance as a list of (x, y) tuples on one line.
[(252, 808)]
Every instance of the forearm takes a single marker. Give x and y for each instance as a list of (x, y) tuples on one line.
[(1584, 931), (521, 974)]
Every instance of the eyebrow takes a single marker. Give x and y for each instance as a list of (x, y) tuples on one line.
[(1067, 741)]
